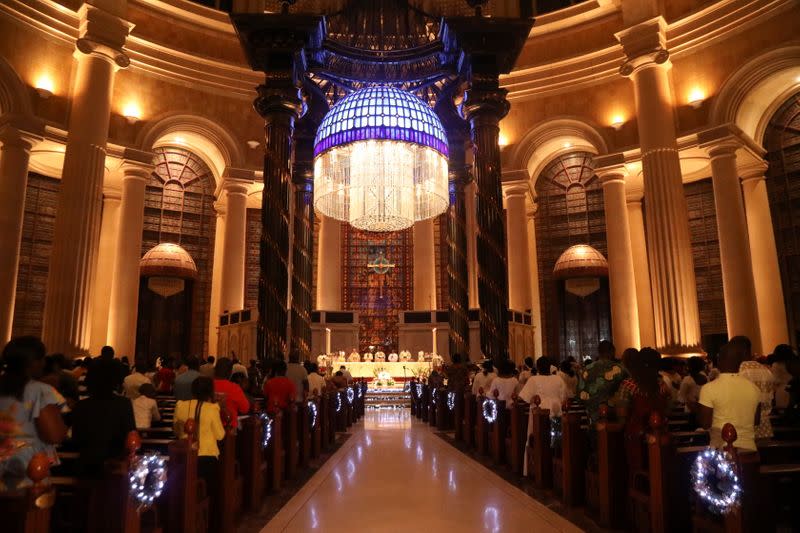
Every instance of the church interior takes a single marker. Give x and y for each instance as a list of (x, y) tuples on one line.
[(337, 265)]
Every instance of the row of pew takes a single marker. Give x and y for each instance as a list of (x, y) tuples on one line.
[(266, 453), (587, 467)]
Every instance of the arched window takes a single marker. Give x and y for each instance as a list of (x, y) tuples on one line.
[(782, 141), (179, 208)]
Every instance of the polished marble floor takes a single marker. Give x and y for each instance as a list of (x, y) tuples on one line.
[(394, 473)]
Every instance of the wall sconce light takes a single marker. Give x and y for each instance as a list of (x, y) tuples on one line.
[(253, 144), (132, 112), (502, 139), (696, 97), (44, 86), (617, 121)]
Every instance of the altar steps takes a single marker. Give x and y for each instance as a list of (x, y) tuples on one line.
[(387, 399)]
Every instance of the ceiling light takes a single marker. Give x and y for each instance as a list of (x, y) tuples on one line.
[(253, 144)]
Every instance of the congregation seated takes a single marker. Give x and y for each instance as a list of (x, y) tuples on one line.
[(483, 379), (145, 408), (316, 382), (504, 385), (183, 382), (207, 369), (136, 379), (393, 358), (165, 377), (231, 395), (689, 391), (279, 391)]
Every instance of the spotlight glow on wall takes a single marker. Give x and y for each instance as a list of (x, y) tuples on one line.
[(696, 97), (567, 145), (45, 86), (617, 121), (502, 139), (132, 112)]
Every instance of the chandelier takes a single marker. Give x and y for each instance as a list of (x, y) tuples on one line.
[(380, 161)]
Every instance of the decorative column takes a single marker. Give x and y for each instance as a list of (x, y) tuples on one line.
[(677, 321), (75, 243), (741, 309), (533, 261), (519, 268), (424, 266), (622, 278), (471, 208), (104, 273), (273, 44), (216, 279), (234, 245), (329, 264), (124, 306), (641, 271), (764, 256), (14, 157)]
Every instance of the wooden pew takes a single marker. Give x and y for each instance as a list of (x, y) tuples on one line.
[(517, 434), (187, 502), (612, 472), (497, 432), (412, 384), (468, 425), (290, 441), (434, 392), (316, 429), (28, 510), (424, 402), (573, 459), (275, 453), (481, 427), (444, 416), (252, 460), (341, 414), (540, 450), (304, 432)]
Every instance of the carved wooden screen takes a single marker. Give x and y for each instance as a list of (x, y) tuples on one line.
[(41, 199), (783, 183), (570, 211), (707, 267), (378, 298), (251, 267), (179, 208)]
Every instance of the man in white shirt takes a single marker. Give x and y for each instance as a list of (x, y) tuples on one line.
[(145, 408), (135, 380), (483, 380), (551, 389), (297, 374), (505, 384), (315, 381), (730, 398), (346, 373)]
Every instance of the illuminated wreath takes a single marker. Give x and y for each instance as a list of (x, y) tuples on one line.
[(338, 402), (419, 390), (451, 400), (715, 481), (266, 429), (490, 410), (555, 431), (350, 396), (147, 477), (312, 411)]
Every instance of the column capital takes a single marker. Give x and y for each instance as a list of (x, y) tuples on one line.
[(532, 207), (485, 99), (754, 170), (278, 95), (517, 189), (234, 186), (221, 208), (21, 131), (137, 165), (610, 168), (644, 45), (103, 33), (725, 140), (112, 195)]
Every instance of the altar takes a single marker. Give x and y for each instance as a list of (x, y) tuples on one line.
[(366, 369)]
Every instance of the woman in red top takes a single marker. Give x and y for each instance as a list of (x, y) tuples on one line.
[(229, 394), (166, 376), (279, 391)]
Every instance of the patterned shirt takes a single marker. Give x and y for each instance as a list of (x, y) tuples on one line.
[(598, 383), (762, 377)]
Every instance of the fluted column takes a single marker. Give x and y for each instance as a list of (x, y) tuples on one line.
[(641, 271), (216, 279), (741, 310), (519, 268), (533, 261), (471, 209), (329, 264), (14, 157), (622, 278), (73, 258), (424, 266), (764, 255), (234, 247), (677, 321), (124, 306), (104, 273), (484, 106)]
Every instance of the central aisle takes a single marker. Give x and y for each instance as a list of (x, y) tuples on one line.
[(394, 472)]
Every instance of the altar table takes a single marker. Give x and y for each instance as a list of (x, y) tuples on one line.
[(369, 370)]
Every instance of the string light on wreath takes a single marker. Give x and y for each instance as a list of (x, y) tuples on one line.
[(419, 390), (338, 402), (147, 477), (451, 400), (490, 410), (266, 428), (312, 413), (715, 481), (555, 431), (350, 396)]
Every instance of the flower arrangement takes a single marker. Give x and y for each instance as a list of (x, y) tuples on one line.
[(382, 377)]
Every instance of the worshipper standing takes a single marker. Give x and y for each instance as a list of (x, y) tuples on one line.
[(527, 371), (145, 408), (56, 374), (551, 389), (208, 429), (761, 376), (570, 378), (136, 379), (165, 377), (239, 368), (101, 422), (599, 381), (689, 391), (35, 407), (297, 374), (638, 396), (483, 379), (316, 382), (229, 394), (338, 381), (208, 369), (781, 356), (457, 374), (279, 391), (346, 373), (505, 383), (183, 383), (670, 373), (730, 398)]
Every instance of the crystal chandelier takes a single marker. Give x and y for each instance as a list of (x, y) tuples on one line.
[(380, 161)]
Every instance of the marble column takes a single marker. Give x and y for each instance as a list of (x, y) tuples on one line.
[(764, 256), (124, 307), (470, 202), (104, 273), (329, 264), (519, 268), (14, 157), (216, 279), (73, 258), (234, 247), (533, 261), (677, 319), (741, 309), (641, 271), (622, 278), (424, 266)]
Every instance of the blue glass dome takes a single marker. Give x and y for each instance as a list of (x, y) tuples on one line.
[(380, 113)]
